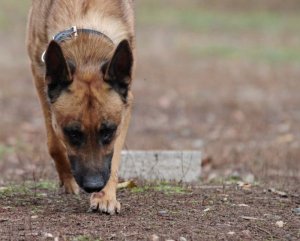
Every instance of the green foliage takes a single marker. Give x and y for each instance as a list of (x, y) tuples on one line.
[(45, 184), (253, 35), (251, 52), (14, 190), (28, 188), (201, 19)]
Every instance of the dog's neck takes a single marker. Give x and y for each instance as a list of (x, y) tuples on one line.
[(73, 32)]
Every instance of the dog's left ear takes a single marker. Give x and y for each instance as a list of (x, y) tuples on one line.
[(58, 71), (117, 72)]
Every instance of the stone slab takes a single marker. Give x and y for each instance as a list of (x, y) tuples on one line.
[(184, 166)]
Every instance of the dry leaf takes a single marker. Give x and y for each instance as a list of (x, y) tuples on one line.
[(280, 193), (287, 138), (250, 218), (243, 205), (244, 186), (128, 184), (206, 161)]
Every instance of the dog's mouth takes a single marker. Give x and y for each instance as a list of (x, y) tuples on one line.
[(91, 177)]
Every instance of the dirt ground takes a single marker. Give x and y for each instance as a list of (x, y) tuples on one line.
[(218, 76)]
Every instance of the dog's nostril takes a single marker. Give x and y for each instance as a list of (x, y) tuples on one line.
[(93, 186), (91, 181)]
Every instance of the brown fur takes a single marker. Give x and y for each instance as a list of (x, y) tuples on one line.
[(89, 99)]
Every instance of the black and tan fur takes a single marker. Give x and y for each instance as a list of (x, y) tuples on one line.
[(84, 90)]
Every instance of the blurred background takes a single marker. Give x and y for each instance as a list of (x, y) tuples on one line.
[(219, 76)]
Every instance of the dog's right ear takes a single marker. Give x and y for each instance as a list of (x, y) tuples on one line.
[(58, 73), (117, 72)]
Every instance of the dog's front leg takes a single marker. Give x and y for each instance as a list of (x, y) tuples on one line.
[(56, 149), (106, 200)]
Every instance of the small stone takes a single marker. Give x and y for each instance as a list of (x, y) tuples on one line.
[(246, 233), (48, 236), (163, 212), (296, 211), (34, 217), (154, 237), (206, 210), (279, 224), (231, 233), (182, 239)]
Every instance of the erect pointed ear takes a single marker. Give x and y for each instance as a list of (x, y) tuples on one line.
[(58, 73), (117, 72)]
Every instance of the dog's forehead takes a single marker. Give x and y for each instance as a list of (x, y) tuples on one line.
[(89, 75), (89, 103)]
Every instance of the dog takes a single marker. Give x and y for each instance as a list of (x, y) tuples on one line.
[(82, 61)]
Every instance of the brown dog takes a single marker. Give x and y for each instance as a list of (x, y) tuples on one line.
[(83, 76)]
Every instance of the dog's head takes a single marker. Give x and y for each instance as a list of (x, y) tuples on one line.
[(88, 96)]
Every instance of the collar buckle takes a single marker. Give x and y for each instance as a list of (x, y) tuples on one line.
[(66, 35), (61, 37)]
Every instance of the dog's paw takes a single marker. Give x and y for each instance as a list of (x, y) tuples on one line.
[(105, 203), (71, 186)]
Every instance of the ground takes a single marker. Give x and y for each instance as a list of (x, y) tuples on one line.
[(217, 76), (205, 212)]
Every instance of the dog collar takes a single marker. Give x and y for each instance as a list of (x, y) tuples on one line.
[(71, 33)]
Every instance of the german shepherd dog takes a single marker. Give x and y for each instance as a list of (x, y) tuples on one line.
[(82, 61)]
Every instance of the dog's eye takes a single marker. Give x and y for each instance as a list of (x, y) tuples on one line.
[(75, 136), (107, 133)]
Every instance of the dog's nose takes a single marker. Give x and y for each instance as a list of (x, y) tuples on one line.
[(93, 184)]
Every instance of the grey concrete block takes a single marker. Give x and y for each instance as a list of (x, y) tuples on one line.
[(161, 165)]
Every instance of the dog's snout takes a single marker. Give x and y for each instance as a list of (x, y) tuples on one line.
[(89, 177), (93, 184)]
